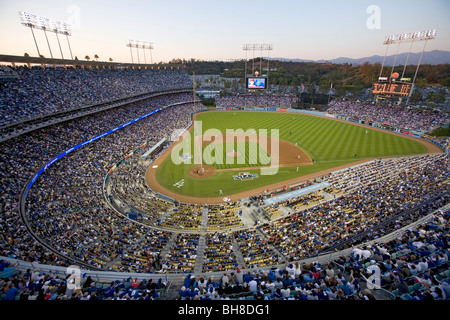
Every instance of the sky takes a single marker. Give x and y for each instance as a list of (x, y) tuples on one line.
[(217, 30)]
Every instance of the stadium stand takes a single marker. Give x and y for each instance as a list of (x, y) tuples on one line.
[(272, 100), (396, 116), (38, 91), (67, 219)]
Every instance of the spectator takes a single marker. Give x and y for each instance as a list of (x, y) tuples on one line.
[(12, 292)]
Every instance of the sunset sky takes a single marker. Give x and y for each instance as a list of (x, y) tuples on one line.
[(217, 30)]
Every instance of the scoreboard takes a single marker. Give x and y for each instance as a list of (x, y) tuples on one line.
[(256, 83), (390, 89)]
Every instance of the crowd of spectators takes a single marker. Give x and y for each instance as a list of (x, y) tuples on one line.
[(37, 285), (128, 186), (367, 202), (22, 156), (38, 91), (256, 100), (71, 215), (395, 116), (412, 266), (65, 208)]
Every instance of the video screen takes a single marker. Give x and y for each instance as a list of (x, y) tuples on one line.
[(256, 83)]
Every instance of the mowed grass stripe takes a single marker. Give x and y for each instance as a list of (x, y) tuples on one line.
[(403, 146), (382, 144), (342, 137), (312, 139), (300, 134), (367, 139), (328, 146), (358, 143)]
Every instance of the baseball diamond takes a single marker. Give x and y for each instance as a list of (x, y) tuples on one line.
[(309, 146)]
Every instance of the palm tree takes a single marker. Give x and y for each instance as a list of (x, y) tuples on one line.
[(26, 54), (87, 58), (110, 59), (96, 57)]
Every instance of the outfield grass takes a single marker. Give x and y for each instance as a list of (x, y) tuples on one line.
[(329, 142)]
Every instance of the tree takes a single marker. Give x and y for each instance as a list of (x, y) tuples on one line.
[(26, 54), (440, 96), (96, 57), (421, 82), (110, 59), (416, 96), (87, 58), (431, 97)]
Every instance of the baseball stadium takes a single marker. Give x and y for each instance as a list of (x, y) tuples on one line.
[(120, 181)]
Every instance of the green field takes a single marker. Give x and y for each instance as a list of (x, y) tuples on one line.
[(329, 142), (249, 155)]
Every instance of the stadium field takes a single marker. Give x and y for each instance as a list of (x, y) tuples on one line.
[(308, 145)]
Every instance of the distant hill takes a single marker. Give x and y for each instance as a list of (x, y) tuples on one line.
[(429, 57)]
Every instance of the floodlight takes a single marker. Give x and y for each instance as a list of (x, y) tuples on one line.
[(411, 38), (66, 29), (254, 47), (42, 23), (25, 18), (139, 44)]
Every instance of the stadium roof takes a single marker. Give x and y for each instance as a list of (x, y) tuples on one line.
[(81, 63)]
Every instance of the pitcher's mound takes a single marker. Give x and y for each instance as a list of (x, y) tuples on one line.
[(202, 171)]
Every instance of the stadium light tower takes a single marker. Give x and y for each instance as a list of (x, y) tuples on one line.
[(29, 20), (137, 44), (140, 44), (253, 48), (55, 27), (411, 38), (130, 43), (246, 47), (148, 45), (408, 38), (41, 23), (66, 30)]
